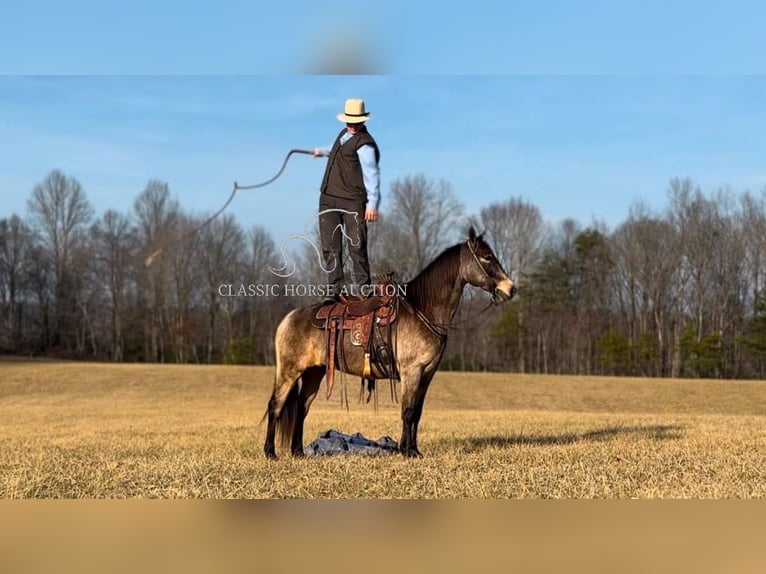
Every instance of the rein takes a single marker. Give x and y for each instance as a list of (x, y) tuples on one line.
[(439, 330), (457, 325), (237, 187)]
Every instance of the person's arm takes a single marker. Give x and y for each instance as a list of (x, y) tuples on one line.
[(371, 174), (321, 151)]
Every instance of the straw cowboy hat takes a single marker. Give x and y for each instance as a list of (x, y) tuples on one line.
[(354, 112)]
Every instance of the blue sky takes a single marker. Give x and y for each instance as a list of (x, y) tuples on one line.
[(579, 107), (576, 146), (405, 37)]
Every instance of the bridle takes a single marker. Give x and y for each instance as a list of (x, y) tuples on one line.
[(441, 331), (492, 283)]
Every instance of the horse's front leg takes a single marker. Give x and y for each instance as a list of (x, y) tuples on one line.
[(413, 398)]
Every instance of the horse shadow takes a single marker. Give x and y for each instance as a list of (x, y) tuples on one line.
[(477, 444)]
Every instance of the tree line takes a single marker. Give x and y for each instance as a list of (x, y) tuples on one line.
[(676, 292)]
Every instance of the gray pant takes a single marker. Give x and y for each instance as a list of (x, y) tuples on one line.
[(345, 217)]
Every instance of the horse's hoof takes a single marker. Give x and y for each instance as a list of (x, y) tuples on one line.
[(270, 454), (298, 454), (412, 453)]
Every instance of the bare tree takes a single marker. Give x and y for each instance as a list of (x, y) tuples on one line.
[(262, 254), (700, 226), (265, 310), (388, 253), (15, 248), (185, 292), (59, 212), (754, 237), (649, 286), (425, 217), (674, 292), (157, 217), (221, 246), (516, 230), (114, 245), (727, 303)]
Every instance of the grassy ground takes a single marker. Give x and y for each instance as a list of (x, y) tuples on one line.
[(101, 430)]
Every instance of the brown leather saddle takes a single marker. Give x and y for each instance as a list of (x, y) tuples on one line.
[(367, 323)]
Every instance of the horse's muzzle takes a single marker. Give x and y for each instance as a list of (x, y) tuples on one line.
[(499, 295)]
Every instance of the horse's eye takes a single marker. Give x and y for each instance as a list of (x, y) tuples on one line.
[(485, 259)]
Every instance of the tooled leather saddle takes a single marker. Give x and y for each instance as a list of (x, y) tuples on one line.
[(365, 323)]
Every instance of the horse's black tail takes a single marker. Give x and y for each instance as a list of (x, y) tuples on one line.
[(288, 417)]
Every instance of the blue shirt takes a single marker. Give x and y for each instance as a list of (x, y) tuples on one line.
[(370, 170)]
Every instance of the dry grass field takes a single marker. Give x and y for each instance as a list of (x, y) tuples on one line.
[(87, 430)]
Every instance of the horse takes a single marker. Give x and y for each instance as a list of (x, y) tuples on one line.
[(427, 308)]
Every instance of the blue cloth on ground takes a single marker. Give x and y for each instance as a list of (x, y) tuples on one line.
[(334, 442)]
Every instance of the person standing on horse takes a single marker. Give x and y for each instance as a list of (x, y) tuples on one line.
[(349, 199)]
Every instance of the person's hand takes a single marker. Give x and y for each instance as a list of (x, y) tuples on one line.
[(316, 152), (371, 214)]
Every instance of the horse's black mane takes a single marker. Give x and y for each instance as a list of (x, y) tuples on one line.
[(437, 280)]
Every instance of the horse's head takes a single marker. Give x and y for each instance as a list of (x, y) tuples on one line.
[(481, 268)]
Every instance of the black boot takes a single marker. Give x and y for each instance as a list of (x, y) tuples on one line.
[(332, 296)]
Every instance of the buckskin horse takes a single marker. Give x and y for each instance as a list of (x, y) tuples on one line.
[(425, 312)]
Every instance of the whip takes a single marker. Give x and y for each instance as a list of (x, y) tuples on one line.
[(237, 187)]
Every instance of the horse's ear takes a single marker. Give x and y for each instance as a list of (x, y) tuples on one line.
[(471, 234)]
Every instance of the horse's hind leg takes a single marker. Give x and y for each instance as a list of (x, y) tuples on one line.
[(311, 378), (281, 410), (299, 347)]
